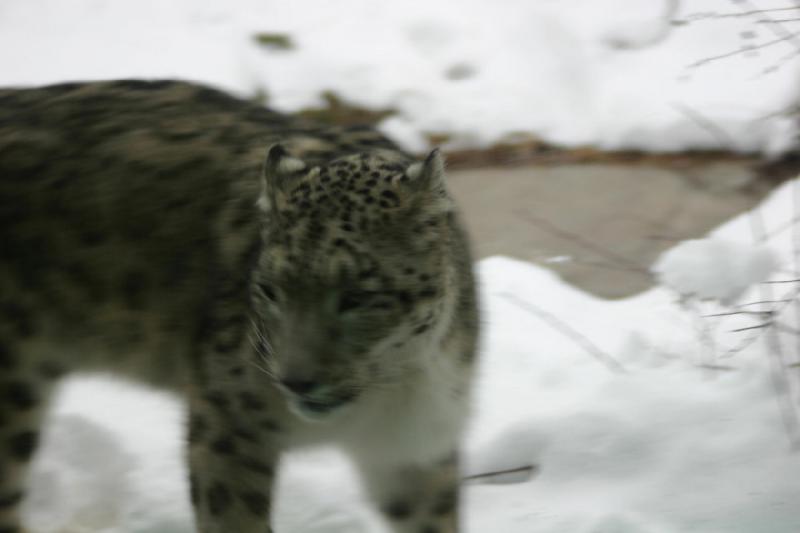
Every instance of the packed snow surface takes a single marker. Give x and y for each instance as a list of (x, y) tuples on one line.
[(609, 73)]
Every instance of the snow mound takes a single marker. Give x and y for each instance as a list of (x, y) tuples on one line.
[(714, 269), (82, 479)]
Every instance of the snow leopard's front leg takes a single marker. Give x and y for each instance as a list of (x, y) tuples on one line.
[(415, 498), (232, 456)]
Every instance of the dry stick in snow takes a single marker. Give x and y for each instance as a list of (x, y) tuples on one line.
[(783, 389), (780, 305), (568, 331), (775, 25), (778, 364), (796, 256), (525, 469), (719, 134), (737, 15), (739, 51), (763, 314), (706, 331)]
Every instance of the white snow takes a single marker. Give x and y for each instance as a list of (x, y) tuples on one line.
[(686, 437), (610, 73), (713, 268)]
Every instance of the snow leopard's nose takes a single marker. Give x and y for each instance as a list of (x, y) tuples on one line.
[(301, 387)]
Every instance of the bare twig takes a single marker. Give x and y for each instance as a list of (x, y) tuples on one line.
[(782, 388), (741, 346), (719, 134), (773, 21), (776, 26), (568, 331), (761, 302), (706, 16), (721, 368), (781, 305), (796, 253), (705, 330), (526, 469), (764, 314), (616, 259), (748, 328), (776, 356), (750, 48)]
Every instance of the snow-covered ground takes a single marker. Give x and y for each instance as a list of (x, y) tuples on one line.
[(610, 73), (635, 413)]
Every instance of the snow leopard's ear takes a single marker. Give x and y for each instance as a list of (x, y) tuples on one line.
[(280, 171), (428, 178)]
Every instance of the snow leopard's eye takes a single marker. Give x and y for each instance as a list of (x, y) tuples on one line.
[(366, 300)]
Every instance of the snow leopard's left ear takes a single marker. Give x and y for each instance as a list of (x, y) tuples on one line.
[(280, 171), (428, 178)]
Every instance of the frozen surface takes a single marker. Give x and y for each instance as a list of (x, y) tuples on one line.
[(685, 438), (611, 73)]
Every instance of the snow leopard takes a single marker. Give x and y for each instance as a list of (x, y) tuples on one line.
[(294, 283)]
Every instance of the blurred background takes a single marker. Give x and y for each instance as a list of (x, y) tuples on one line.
[(587, 140)]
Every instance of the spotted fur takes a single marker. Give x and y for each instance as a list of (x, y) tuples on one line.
[(297, 284)]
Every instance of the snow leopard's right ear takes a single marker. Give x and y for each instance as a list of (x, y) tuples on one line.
[(279, 172), (427, 181)]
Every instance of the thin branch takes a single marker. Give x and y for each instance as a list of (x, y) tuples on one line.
[(781, 305), (783, 391), (764, 314), (750, 48), (719, 134), (616, 259), (778, 29), (721, 368), (527, 469), (796, 252), (705, 16), (763, 21), (705, 330), (748, 328), (741, 346), (761, 302), (794, 220), (568, 331), (780, 383)]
